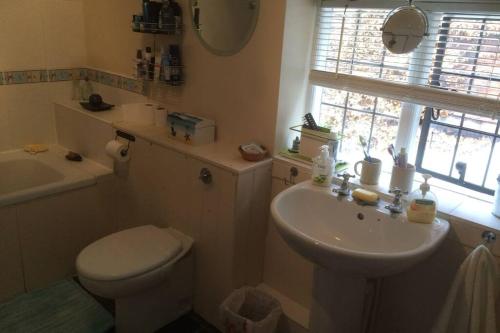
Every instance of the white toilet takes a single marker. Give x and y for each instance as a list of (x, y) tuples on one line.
[(147, 270)]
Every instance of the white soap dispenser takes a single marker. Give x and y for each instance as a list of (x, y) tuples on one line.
[(423, 204), (322, 168)]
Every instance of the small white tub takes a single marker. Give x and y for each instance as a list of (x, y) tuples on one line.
[(25, 177)]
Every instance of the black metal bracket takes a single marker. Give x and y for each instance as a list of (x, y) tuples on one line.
[(124, 135)]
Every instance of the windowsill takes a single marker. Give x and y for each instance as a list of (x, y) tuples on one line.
[(452, 203)]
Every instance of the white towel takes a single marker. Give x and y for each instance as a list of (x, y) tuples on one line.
[(470, 305)]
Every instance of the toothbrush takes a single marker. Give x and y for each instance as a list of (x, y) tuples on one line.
[(363, 143), (391, 151)]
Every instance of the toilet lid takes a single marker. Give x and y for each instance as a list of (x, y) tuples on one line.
[(127, 253)]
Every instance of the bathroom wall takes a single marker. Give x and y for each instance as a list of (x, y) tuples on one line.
[(240, 92), (41, 34)]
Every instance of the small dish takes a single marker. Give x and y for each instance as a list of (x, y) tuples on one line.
[(252, 156)]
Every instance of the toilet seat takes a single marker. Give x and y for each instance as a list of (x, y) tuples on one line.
[(125, 287), (128, 253)]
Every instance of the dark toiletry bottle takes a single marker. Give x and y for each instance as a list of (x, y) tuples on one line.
[(151, 68), (151, 14), (139, 65), (167, 17), (163, 65), (177, 17), (146, 14), (196, 18), (136, 23), (149, 63), (175, 65)]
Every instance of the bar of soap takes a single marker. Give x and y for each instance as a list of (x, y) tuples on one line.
[(36, 148), (365, 195)]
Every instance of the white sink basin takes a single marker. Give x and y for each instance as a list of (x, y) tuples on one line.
[(341, 235), (350, 245)]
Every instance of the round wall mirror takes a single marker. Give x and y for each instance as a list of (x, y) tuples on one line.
[(224, 26), (403, 29)]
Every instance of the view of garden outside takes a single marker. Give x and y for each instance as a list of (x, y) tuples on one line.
[(353, 114), (468, 62)]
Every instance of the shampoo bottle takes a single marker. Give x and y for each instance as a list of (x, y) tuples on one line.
[(322, 168), (167, 17), (422, 207), (175, 77), (139, 65), (177, 17)]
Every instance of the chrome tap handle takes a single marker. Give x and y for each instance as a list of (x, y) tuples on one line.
[(398, 193), (346, 176), (397, 205), (344, 187)]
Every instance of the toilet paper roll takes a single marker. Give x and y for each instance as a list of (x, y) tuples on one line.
[(160, 116), (117, 150)]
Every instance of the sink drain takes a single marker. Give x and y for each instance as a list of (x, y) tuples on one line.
[(361, 216)]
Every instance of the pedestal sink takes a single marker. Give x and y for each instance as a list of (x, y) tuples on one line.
[(349, 245)]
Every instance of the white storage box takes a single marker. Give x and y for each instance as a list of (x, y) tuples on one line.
[(191, 129), (311, 141)]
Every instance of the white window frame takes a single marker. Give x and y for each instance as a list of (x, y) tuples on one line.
[(413, 101)]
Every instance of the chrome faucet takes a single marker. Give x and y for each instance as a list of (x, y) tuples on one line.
[(396, 207), (343, 189)]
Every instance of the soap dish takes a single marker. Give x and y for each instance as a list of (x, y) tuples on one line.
[(366, 203), (253, 155)]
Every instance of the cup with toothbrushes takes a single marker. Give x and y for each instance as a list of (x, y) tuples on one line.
[(403, 172), (370, 167)]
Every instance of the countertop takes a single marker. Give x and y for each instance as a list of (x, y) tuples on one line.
[(220, 154)]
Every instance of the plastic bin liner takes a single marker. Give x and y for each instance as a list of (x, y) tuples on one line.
[(249, 310)]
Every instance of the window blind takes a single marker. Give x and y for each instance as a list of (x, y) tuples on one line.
[(457, 66)]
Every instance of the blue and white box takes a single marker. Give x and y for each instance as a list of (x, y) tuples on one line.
[(190, 129)]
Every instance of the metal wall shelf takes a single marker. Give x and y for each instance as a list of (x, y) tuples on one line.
[(155, 28)]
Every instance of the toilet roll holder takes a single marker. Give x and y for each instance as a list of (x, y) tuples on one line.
[(126, 136), (489, 237)]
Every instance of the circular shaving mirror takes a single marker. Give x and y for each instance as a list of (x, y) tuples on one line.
[(224, 26), (404, 28)]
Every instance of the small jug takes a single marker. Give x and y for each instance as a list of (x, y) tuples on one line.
[(370, 171)]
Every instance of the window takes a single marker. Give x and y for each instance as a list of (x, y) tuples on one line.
[(387, 98), (450, 139), (466, 146), (353, 114)]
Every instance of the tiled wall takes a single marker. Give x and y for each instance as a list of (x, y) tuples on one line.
[(57, 75), (38, 37), (27, 100)]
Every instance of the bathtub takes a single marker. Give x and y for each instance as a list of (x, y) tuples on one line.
[(26, 177)]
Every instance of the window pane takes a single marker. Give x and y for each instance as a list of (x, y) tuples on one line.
[(384, 133), (450, 117), (390, 107), (361, 102), (470, 121), (494, 172), (334, 97), (439, 149), (331, 117), (474, 150), (480, 123), (357, 123)]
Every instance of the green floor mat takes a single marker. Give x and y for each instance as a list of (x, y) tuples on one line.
[(62, 307)]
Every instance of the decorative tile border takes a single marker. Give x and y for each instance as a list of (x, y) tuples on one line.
[(58, 75)]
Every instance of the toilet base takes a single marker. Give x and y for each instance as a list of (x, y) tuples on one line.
[(155, 308)]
